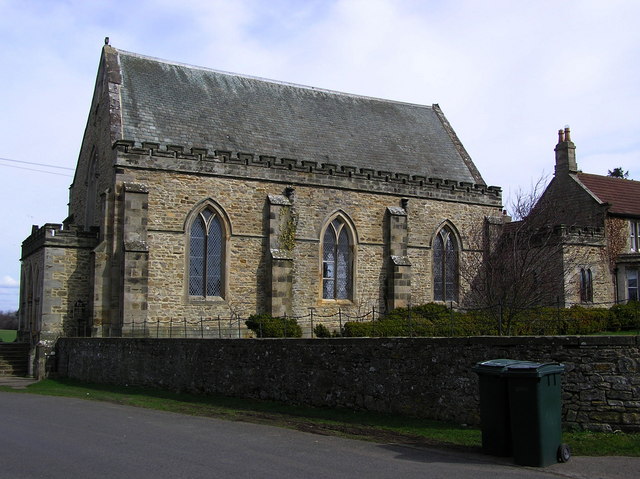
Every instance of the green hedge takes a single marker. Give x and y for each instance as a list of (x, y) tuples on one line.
[(625, 316), (554, 321), (267, 326), (437, 320)]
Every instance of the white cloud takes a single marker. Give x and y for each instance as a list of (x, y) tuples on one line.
[(8, 282), (507, 74)]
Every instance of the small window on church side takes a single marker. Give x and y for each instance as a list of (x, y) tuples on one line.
[(586, 285), (206, 255), (337, 261)]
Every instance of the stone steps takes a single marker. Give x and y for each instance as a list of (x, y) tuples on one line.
[(14, 359)]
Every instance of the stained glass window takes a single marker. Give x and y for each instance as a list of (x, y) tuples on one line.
[(445, 266), (337, 262), (206, 255)]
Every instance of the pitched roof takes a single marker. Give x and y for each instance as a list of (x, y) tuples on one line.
[(170, 103), (623, 195)]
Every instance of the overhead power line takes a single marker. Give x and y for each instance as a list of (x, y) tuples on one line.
[(40, 171), (37, 164), (36, 169)]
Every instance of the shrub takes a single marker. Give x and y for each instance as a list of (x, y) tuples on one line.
[(430, 311), (266, 326), (437, 320), (321, 331), (554, 321), (625, 316)]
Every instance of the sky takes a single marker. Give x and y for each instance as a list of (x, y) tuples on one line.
[(507, 74)]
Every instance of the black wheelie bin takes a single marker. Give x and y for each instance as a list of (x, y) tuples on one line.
[(535, 404)]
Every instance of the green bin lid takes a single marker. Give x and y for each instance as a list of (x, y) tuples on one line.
[(493, 366), (531, 369)]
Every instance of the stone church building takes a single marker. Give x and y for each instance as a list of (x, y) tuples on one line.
[(200, 193)]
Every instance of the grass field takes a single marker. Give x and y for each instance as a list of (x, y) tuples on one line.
[(8, 335), (361, 425)]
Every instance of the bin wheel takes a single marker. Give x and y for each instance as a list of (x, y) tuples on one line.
[(564, 453)]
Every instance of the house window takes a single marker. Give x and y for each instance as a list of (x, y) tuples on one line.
[(586, 285), (337, 261), (206, 255), (634, 226), (445, 266), (632, 285)]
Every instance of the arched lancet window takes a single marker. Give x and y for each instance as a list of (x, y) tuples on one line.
[(586, 285), (445, 266), (337, 261), (206, 255)]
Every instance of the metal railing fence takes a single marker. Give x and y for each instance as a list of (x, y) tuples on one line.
[(424, 320)]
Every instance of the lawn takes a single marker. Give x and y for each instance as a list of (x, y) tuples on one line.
[(8, 335)]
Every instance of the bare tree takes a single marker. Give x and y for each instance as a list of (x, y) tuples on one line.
[(524, 263), (522, 204)]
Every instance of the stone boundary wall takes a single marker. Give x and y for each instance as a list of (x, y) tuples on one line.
[(428, 377)]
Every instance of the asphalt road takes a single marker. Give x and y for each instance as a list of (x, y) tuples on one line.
[(49, 437)]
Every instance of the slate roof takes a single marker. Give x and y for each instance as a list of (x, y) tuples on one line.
[(176, 104), (623, 195)]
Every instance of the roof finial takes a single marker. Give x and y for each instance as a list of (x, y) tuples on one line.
[(106, 40)]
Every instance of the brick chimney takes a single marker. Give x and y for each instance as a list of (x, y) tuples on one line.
[(565, 153)]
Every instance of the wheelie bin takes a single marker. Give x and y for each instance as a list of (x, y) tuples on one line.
[(494, 406), (535, 404)]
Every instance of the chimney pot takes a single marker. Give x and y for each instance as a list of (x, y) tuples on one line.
[(565, 153)]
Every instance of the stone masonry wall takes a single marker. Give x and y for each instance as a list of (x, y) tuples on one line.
[(59, 261), (173, 197), (428, 377)]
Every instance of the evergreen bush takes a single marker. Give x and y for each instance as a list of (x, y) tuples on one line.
[(625, 316), (267, 326), (437, 320), (321, 331)]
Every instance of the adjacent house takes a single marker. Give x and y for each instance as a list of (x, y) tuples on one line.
[(596, 220), (204, 193)]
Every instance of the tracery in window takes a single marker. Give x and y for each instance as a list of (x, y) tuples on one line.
[(206, 255), (445, 266), (337, 261)]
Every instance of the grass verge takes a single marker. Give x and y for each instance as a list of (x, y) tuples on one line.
[(356, 424), (8, 335)]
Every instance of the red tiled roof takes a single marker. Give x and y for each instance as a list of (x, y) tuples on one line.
[(623, 195)]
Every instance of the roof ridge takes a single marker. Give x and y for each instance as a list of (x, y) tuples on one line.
[(607, 177), (269, 80)]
